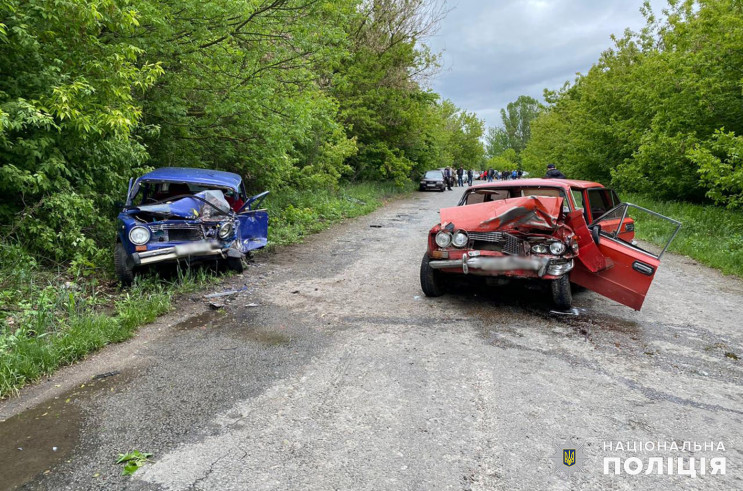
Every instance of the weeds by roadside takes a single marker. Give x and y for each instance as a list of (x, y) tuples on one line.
[(710, 234), (295, 214), (50, 318)]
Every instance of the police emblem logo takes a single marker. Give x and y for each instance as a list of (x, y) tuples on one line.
[(568, 458)]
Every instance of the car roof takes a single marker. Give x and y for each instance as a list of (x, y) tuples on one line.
[(556, 183), (191, 175)]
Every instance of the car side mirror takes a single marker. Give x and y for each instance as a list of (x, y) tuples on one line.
[(595, 233)]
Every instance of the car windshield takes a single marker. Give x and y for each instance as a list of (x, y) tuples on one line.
[(433, 174), (152, 192), (481, 195)]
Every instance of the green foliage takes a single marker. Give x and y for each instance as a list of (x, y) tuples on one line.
[(646, 115), (132, 461), (709, 234), (242, 89), (67, 113), (48, 323), (287, 93), (516, 130), (720, 162), (297, 213), (507, 160)]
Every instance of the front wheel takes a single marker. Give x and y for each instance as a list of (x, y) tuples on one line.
[(431, 281), (124, 272), (561, 295), (235, 264)]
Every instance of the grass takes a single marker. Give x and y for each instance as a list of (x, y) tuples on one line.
[(295, 214), (48, 321), (61, 324), (709, 234)]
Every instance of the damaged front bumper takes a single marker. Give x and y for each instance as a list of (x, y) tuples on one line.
[(541, 265), (182, 251)]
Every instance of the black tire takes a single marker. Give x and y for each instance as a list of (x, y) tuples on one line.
[(431, 282), (561, 294), (124, 271), (235, 264)]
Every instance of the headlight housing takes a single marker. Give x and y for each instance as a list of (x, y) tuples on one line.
[(443, 239), (460, 239), (225, 230), (557, 248), (139, 235), (539, 249)]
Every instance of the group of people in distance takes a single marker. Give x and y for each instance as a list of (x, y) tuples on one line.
[(459, 176)]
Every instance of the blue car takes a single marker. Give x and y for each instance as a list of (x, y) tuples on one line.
[(177, 213)]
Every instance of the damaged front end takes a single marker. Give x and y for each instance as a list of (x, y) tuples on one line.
[(192, 227), (519, 237)]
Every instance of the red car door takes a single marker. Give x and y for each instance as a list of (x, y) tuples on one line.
[(629, 270)]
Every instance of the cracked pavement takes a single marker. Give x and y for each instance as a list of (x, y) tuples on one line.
[(333, 371)]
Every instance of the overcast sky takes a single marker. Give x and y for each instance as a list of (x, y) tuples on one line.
[(496, 50)]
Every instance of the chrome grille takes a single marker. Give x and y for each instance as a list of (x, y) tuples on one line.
[(486, 236)]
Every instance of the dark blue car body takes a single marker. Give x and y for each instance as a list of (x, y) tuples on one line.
[(187, 213)]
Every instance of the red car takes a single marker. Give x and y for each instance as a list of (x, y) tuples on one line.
[(539, 228)]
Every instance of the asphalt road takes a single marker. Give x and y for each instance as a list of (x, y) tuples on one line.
[(331, 370)]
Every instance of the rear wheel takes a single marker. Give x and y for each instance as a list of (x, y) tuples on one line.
[(561, 295), (124, 272), (431, 282)]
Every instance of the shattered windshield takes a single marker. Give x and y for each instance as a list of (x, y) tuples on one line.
[(161, 200)]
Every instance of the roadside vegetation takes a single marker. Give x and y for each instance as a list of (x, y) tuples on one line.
[(710, 234), (659, 117), (327, 105)]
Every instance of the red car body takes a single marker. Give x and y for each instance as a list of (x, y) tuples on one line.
[(539, 228)]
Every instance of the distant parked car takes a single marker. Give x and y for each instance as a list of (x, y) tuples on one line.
[(560, 231), (176, 213), (433, 180)]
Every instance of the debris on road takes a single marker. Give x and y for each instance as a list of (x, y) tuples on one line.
[(226, 293), (105, 375)]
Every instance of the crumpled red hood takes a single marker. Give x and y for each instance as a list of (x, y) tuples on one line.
[(539, 212)]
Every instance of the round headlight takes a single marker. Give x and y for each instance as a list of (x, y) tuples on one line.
[(139, 235), (225, 230), (460, 238), (557, 248), (443, 239), (539, 249)]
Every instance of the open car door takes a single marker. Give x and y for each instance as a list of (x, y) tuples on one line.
[(253, 224), (630, 267)]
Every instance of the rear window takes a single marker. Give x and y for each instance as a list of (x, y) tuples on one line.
[(482, 195)]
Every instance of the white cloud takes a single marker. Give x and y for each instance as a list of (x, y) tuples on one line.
[(493, 51)]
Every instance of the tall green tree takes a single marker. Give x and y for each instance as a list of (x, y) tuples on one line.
[(650, 113), (243, 87), (67, 115)]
